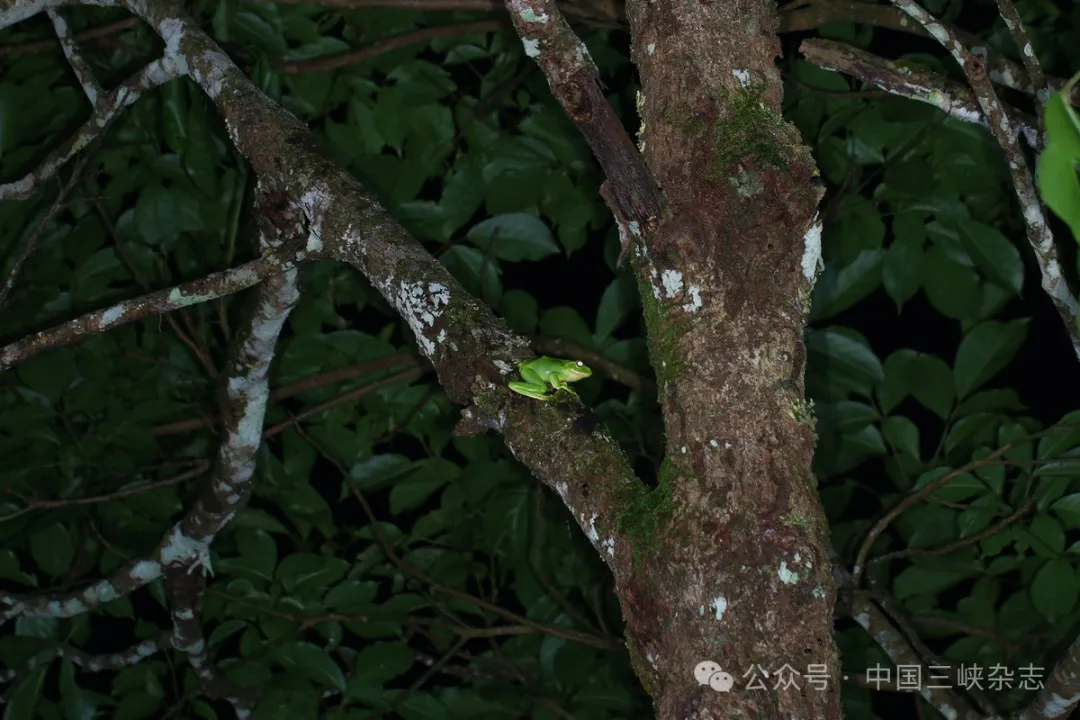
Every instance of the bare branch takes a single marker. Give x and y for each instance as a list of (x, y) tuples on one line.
[(1038, 231), (32, 238), (472, 351), (183, 590), (90, 34), (386, 45), (629, 189), (78, 63), (944, 699), (1061, 694), (1027, 52), (954, 99), (210, 287), (200, 467), (105, 111), (187, 544), (92, 663), (799, 16)]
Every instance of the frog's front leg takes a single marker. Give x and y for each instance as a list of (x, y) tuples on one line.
[(559, 384)]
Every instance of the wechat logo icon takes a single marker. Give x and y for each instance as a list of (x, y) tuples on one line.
[(709, 673)]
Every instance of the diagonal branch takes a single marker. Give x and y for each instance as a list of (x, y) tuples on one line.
[(876, 624), (952, 98), (106, 110), (78, 63), (356, 57), (1001, 127), (796, 16), (629, 189), (1027, 52), (83, 35), (1061, 693), (32, 239), (472, 351), (212, 286), (187, 543)]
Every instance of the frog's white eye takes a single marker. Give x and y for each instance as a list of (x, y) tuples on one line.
[(579, 363)]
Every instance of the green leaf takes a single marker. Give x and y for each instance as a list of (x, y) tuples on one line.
[(858, 228), (991, 401), (917, 580), (349, 595), (424, 220), (958, 488), (902, 435), (53, 549), (1056, 174), (161, 214), (505, 519), (384, 661), (565, 322), (901, 272), (977, 429), (896, 386), (838, 290), (472, 267), (1068, 509), (258, 519), (549, 652), (952, 288), (259, 549), (463, 194), (93, 277), (422, 706), (1059, 185), (840, 355), (50, 374), (567, 203), (1063, 436), (844, 416), (413, 491), (313, 662), (307, 571), (174, 125), (1054, 589), (252, 28), (377, 471), (9, 565), (200, 158), (932, 384), (618, 301), (840, 453), (514, 237), (929, 526), (78, 704), (985, 351), (520, 310), (817, 77), (23, 701), (1049, 534), (993, 254)]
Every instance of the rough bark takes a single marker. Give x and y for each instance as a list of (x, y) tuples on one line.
[(741, 575)]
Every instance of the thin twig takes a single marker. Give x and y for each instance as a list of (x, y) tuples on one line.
[(36, 46), (200, 468), (383, 46), (32, 239)]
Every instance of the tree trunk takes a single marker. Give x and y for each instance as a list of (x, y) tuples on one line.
[(740, 574)]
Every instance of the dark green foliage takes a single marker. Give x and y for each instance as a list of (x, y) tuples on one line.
[(103, 444)]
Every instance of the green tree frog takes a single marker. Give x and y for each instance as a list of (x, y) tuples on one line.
[(543, 370)]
